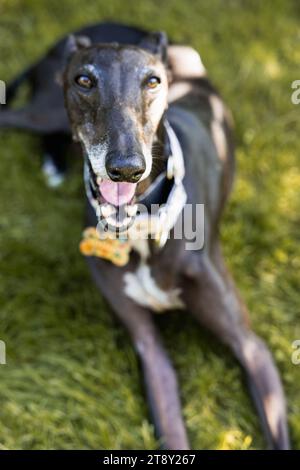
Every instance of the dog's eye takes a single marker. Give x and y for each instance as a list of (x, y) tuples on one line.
[(152, 83), (84, 82)]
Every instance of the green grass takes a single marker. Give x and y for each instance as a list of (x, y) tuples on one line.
[(72, 379)]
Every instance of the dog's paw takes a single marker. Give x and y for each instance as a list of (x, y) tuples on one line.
[(53, 176)]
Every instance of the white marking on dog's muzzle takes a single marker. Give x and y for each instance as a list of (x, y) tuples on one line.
[(96, 154)]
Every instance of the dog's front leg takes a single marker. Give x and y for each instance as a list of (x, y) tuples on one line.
[(159, 374), (212, 298), (161, 386)]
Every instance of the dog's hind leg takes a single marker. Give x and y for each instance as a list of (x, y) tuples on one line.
[(159, 375), (53, 129), (211, 297), (36, 119), (55, 158)]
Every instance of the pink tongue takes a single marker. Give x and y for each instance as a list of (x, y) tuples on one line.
[(117, 193)]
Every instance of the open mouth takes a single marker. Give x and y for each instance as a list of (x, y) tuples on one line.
[(117, 204)]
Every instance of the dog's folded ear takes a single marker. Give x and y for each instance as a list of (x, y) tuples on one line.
[(72, 44), (156, 43)]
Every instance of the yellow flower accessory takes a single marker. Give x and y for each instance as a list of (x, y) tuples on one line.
[(115, 250)]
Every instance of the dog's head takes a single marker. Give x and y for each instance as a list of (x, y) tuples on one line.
[(115, 97)]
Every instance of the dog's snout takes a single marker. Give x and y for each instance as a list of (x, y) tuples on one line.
[(125, 168)]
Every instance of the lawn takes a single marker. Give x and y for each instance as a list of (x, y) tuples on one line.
[(72, 379)]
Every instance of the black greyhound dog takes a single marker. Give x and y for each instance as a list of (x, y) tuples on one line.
[(153, 130)]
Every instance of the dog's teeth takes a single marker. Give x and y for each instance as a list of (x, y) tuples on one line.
[(107, 210), (127, 221), (99, 180), (117, 223), (132, 210), (113, 221)]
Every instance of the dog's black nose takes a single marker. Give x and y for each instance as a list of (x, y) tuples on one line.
[(125, 168)]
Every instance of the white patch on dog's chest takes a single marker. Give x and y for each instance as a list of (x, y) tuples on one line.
[(141, 287)]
